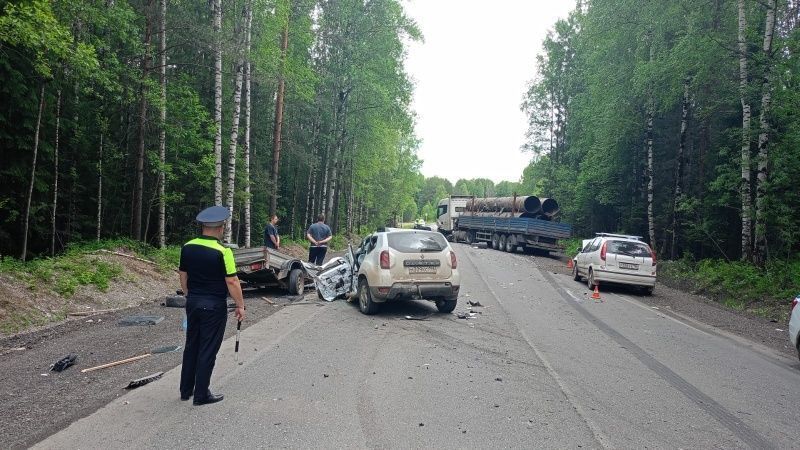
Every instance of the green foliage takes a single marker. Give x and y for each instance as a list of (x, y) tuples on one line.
[(80, 266), (740, 285), (599, 71)]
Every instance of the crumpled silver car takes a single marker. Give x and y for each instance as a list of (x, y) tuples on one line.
[(394, 265)]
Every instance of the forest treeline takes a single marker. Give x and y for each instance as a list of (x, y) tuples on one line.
[(674, 120), (126, 117)]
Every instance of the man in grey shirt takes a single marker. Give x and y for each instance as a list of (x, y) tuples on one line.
[(318, 235)]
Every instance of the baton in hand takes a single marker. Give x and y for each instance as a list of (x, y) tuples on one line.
[(238, 333)]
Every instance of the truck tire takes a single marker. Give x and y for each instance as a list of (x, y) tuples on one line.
[(495, 241), (297, 282), (502, 244), (365, 303), (511, 244), (446, 305), (470, 237)]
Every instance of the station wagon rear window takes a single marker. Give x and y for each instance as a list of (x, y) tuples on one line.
[(409, 242), (637, 249)]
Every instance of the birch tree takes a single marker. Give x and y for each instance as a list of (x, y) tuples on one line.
[(162, 132), (760, 253), (247, 111), (278, 123), (33, 175), (55, 177), (216, 12), (745, 186)]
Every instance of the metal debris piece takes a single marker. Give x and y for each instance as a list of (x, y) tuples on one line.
[(461, 315), (140, 320), (144, 380), (64, 362), (475, 303), (425, 317), (175, 301)]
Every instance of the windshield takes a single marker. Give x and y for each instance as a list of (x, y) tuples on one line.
[(628, 248), (412, 242)]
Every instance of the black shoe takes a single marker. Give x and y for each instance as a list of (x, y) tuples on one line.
[(185, 397), (212, 398)]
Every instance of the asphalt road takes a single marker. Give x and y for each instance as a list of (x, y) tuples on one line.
[(540, 366)]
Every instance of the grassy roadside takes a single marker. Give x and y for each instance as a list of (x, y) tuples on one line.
[(738, 285), (56, 280)]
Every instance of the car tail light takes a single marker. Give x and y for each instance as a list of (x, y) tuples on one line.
[(385, 259), (653, 256), (453, 260), (794, 303), (383, 290), (603, 251)]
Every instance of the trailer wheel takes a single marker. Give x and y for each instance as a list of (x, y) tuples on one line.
[(503, 243), (511, 244), (495, 241), (470, 237), (297, 282)]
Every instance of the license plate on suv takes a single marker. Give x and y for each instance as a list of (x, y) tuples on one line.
[(421, 263), (629, 266), (422, 269)]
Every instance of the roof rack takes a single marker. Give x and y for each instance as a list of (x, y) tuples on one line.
[(638, 238)]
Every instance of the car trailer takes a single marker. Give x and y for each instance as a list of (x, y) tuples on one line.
[(261, 267)]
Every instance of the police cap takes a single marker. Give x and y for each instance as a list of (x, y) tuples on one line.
[(214, 216)]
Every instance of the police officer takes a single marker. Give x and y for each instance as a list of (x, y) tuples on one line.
[(208, 276)]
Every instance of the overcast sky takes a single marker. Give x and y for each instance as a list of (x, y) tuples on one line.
[(471, 73)]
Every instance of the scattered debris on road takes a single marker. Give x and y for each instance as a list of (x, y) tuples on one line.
[(476, 303), (92, 312), (176, 301), (144, 380), (64, 363), (425, 317), (167, 349), (140, 320)]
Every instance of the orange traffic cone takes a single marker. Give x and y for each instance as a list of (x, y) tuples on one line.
[(569, 264), (596, 293)]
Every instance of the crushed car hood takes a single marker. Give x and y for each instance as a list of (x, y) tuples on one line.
[(335, 278)]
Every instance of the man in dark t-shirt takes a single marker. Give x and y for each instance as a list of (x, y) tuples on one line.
[(271, 237), (318, 235)]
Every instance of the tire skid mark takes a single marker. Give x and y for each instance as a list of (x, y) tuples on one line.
[(739, 429), (595, 431), (365, 404), (448, 339)]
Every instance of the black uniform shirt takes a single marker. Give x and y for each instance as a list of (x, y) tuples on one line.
[(207, 264)]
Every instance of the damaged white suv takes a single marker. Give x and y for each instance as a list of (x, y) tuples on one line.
[(395, 265), (406, 264)]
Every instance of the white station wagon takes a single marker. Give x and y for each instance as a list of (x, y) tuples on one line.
[(616, 259)]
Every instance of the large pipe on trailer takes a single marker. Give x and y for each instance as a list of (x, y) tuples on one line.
[(522, 204), (550, 207)]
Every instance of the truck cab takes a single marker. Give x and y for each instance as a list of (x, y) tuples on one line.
[(448, 211)]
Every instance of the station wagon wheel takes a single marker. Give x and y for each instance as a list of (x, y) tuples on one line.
[(590, 279), (365, 303), (575, 275)]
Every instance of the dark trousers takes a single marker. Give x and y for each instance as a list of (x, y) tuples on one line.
[(204, 332), (316, 255)]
